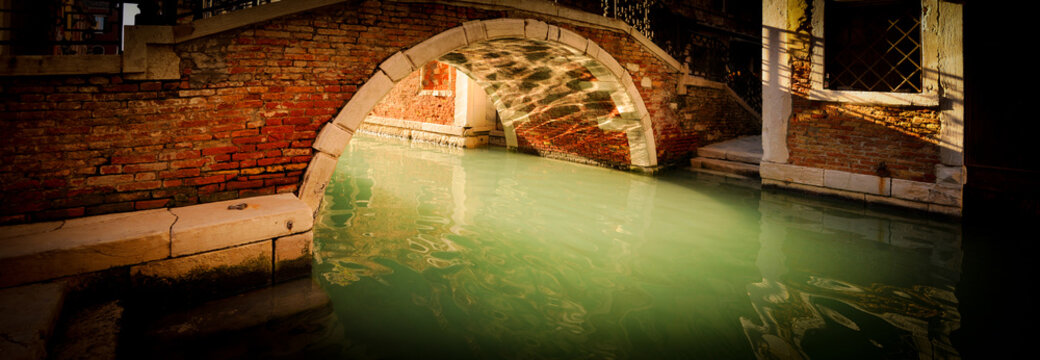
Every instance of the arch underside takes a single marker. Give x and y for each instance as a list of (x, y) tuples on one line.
[(552, 98), (563, 81)]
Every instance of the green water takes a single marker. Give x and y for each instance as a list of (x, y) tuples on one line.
[(430, 252)]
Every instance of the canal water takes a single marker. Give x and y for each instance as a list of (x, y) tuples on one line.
[(430, 252)]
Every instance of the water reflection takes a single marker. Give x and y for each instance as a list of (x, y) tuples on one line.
[(434, 253), (816, 301)]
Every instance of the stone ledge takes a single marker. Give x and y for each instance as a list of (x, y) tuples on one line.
[(217, 225), (86, 245), (931, 197), (37, 252)]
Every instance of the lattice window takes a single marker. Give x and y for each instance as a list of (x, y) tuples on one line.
[(873, 45)]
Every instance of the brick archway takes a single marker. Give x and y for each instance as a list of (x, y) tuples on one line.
[(335, 135)]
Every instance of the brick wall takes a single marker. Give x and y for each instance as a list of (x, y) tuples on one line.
[(672, 145), (239, 122), (709, 115), (406, 100), (241, 119), (900, 142)]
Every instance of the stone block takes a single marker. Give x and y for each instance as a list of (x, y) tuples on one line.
[(28, 315), (926, 192), (240, 312), (593, 50), (217, 225), (363, 101), (609, 62), (28, 229), (791, 173), (293, 256), (320, 170), (573, 40), (90, 332), (504, 28), (870, 184), (332, 140), (951, 176), (536, 30), (637, 148), (85, 245), (438, 45), (552, 33), (711, 152), (475, 31), (208, 274), (397, 67)]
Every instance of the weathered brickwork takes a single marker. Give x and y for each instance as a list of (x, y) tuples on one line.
[(406, 101), (888, 141), (672, 144), (241, 119), (710, 115), (239, 122), (884, 141)]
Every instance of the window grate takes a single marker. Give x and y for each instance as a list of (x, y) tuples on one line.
[(873, 46)]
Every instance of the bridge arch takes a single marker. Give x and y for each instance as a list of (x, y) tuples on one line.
[(629, 114)]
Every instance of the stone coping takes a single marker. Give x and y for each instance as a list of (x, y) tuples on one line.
[(138, 52), (944, 197), (37, 252)]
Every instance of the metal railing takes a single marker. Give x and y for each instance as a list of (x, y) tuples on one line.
[(873, 48), (201, 9), (60, 27)]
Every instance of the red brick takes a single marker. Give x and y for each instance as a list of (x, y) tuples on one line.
[(219, 150), (151, 204), (133, 159), (212, 179), (136, 186), (191, 163)]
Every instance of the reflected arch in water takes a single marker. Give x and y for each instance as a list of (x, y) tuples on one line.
[(626, 113)]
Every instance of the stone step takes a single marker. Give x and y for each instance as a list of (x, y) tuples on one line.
[(28, 315), (89, 332), (746, 149), (725, 166), (283, 319)]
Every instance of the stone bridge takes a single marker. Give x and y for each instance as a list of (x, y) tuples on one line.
[(263, 100)]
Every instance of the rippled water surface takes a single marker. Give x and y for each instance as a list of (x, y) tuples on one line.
[(430, 252)]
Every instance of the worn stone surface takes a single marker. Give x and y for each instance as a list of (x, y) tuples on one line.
[(363, 101), (504, 28), (746, 149), (332, 140), (207, 274), (320, 170), (229, 223), (926, 192), (27, 318), (91, 332), (439, 44), (241, 311), (791, 173), (725, 166), (290, 320), (293, 256), (85, 245), (397, 66), (869, 184)]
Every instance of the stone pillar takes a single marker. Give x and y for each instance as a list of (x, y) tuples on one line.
[(473, 110), (776, 81)]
